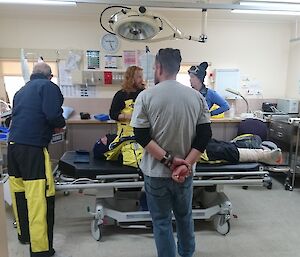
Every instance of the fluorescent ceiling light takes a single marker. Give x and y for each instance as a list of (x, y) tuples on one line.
[(267, 12), (274, 6), (269, 7), (39, 2)]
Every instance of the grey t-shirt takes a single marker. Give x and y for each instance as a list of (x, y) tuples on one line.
[(171, 111)]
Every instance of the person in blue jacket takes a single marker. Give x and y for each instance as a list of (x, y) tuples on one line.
[(197, 75), (36, 115)]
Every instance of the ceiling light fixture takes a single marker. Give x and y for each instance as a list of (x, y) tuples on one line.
[(140, 25), (39, 2), (269, 7), (273, 6), (267, 12)]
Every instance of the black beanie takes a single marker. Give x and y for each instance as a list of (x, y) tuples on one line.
[(199, 71)]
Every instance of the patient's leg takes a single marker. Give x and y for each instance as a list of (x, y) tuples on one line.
[(260, 155)]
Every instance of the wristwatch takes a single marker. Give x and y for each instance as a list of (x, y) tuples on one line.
[(167, 159)]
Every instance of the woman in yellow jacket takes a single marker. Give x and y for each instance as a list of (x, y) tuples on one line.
[(121, 110)]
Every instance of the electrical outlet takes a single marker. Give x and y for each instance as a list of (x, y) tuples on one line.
[(250, 91), (258, 91), (253, 91)]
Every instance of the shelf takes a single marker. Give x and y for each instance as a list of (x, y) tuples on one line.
[(102, 70)]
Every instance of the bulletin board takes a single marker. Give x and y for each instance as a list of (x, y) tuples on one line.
[(227, 78)]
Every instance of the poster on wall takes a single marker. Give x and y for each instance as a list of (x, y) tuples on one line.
[(65, 78), (129, 57), (112, 61), (93, 59), (227, 78)]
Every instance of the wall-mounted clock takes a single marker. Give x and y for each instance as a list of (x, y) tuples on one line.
[(110, 43)]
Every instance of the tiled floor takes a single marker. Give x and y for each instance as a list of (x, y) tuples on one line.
[(267, 225)]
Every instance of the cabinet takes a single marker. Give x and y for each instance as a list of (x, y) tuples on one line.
[(225, 130), (94, 83), (84, 134), (81, 135), (106, 77), (286, 136)]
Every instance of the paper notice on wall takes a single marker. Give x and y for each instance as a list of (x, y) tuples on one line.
[(146, 61), (65, 77), (73, 61), (227, 78), (129, 58), (111, 61)]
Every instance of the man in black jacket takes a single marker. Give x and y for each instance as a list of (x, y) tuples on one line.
[(36, 115)]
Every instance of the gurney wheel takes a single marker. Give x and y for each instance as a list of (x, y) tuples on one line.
[(288, 187), (224, 228), (270, 185), (96, 230)]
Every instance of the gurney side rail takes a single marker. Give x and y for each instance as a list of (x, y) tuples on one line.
[(136, 184), (226, 173)]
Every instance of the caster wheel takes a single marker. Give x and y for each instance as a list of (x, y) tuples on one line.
[(270, 185), (222, 229), (96, 230), (66, 193), (245, 187), (288, 187)]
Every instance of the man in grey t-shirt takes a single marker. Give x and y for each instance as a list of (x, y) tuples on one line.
[(172, 123)]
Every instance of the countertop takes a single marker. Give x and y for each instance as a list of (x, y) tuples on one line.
[(76, 120)]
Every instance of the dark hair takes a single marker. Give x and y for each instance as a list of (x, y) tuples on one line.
[(199, 71), (169, 59)]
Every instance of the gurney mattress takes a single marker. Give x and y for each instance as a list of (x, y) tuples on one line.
[(85, 166)]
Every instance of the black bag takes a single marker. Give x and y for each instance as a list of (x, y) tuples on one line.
[(100, 148), (85, 116)]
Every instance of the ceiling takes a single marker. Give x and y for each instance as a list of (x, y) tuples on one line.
[(90, 10)]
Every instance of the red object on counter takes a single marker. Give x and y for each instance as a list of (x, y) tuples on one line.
[(107, 77)]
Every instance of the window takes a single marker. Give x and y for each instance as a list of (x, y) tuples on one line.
[(11, 71), (183, 76), (12, 85)]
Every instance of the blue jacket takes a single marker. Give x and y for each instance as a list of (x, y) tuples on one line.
[(212, 97), (36, 112)]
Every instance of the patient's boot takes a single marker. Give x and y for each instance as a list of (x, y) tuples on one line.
[(260, 155)]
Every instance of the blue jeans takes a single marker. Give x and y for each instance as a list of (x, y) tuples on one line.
[(163, 196)]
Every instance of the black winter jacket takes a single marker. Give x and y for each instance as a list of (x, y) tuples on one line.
[(36, 112)]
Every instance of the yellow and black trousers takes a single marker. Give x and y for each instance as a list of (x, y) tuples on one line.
[(32, 189)]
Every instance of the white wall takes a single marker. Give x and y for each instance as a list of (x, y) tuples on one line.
[(260, 49), (293, 81)]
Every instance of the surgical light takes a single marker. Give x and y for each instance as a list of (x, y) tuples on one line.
[(141, 25), (133, 26)]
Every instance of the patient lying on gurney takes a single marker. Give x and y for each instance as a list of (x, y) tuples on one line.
[(244, 148)]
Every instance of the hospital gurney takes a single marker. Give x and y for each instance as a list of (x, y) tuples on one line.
[(119, 189)]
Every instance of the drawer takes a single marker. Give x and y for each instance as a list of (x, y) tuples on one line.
[(281, 132)]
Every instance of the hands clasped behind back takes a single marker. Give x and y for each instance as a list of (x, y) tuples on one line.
[(181, 169)]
